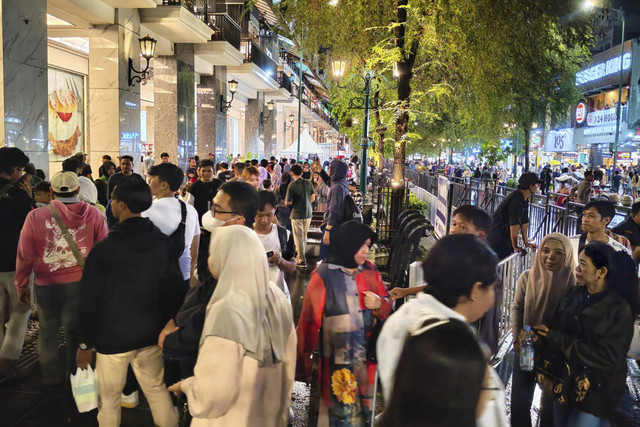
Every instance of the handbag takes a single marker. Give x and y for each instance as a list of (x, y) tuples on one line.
[(566, 383), (84, 387)]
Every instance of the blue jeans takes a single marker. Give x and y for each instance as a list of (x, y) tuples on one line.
[(58, 306), (324, 249), (566, 416)]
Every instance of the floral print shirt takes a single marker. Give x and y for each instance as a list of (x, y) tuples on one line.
[(335, 321)]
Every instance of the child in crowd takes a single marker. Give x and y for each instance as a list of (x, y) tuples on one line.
[(42, 193)]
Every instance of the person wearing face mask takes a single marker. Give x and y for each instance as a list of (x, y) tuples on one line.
[(343, 308), (461, 274), (587, 340), (538, 293), (236, 203), (246, 360)]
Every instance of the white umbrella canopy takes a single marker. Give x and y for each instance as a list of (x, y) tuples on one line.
[(307, 146)]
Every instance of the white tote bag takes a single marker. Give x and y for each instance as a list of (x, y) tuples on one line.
[(84, 386)]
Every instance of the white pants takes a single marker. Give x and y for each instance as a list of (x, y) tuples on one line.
[(11, 344), (148, 366), (300, 227)]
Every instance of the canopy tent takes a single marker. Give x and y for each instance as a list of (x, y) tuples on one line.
[(307, 146)]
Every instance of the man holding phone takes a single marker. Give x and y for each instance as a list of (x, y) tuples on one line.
[(277, 241)]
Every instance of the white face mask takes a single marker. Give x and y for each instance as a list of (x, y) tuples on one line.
[(216, 223)]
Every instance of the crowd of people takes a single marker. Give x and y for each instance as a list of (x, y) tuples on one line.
[(182, 293)]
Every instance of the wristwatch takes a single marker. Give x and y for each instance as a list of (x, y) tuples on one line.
[(83, 346)]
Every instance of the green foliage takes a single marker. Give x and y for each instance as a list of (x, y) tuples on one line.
[(415, 203), (512, 183), (492, 152)]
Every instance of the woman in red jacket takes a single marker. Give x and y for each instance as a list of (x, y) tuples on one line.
[(344, 304)]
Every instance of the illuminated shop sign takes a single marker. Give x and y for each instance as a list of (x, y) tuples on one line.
[(602, 117), (559, 140), (581, 113), (603, 69)]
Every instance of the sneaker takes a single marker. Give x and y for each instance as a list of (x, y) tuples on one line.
[(130, 400)]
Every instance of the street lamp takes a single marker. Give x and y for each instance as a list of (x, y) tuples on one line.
[(224, 104), (589, 4), (263, 118), (286, 128), (147, 50), (370, 82)]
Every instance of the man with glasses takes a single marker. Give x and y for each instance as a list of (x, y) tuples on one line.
[(15, 205), (236, 203)]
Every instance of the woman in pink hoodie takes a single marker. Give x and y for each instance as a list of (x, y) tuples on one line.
[(44, 250)]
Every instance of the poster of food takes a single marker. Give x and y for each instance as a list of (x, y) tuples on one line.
[(66, 114)]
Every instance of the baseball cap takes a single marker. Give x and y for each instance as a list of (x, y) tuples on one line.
[(64, 182), (528, 179)]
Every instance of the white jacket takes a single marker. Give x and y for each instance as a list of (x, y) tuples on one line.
[(391, 342)]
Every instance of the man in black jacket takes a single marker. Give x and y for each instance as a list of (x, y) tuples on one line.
[(235, 204), (125, 299), (15, 204)]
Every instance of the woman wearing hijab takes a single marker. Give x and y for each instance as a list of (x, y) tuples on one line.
[(344, 304), (244, 373), (538, 293), (322, 190)]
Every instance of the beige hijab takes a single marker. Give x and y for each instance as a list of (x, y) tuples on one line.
[(544, 288), (246, 307)]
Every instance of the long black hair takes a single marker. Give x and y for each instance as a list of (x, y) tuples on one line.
[(621, 278), (438, 380)]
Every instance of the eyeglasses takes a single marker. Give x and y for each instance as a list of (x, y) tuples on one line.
[(216, 211)]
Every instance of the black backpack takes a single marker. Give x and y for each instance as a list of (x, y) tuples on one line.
[(351, 210), (175, 242)]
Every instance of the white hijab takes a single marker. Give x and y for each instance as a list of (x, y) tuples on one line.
[(246, 307)]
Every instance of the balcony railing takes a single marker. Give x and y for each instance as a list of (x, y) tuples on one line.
[(226, 29), (253, 53)]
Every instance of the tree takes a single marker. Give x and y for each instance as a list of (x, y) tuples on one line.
[(463, 67)]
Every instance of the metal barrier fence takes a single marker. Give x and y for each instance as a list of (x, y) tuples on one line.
[(509, 270), (545, 214), (390, 202)]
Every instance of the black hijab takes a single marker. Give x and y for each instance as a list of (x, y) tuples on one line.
[(347, 242)]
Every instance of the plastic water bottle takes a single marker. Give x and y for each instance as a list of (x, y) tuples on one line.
[(526, 350)]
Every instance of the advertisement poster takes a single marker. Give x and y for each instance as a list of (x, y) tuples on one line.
[(66, 114), (441, 207)]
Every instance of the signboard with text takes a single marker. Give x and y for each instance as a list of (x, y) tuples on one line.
[(605, 68), (559, 140)]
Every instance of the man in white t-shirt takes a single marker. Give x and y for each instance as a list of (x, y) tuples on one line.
[(278, 242), (166, 212), (596, 216)]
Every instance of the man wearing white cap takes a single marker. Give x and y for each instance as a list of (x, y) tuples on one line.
[(54, 242)]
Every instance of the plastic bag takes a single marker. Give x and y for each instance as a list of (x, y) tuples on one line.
[(84, 386)]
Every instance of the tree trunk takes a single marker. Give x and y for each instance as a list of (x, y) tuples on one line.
[(405, 71), (527, 137)]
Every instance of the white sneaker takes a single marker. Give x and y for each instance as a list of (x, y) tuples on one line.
[(130, 400)]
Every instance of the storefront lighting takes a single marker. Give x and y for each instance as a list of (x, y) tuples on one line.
[(224, 104), (338, 67), (147, 50), (263, 118)]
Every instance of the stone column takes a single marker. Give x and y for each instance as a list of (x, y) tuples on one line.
[(24, 72), (206, 111), (252, 126), (269, 132), (186, 104), (220, 74), (114, 105), (174, 82)]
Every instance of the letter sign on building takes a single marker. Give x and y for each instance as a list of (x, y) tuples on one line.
[(560, 140)]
